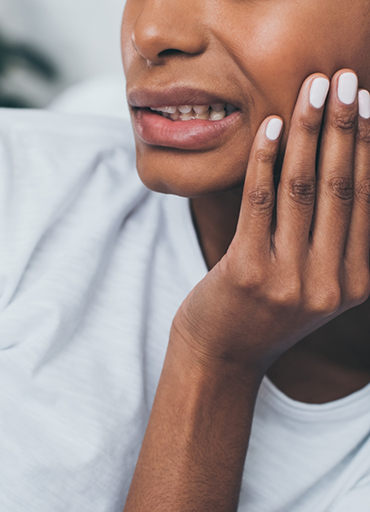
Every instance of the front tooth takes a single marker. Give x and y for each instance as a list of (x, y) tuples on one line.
[(186, 116), (176, 116), (169, 110), (218, 107), (204, 116), (217, 116), (185, 109), (200, 109), (166, 114)]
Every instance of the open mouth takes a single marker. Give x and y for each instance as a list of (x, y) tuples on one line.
[(159, 117), (214, 112)]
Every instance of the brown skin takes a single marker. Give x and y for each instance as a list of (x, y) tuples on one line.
[(262, 83), (257, 53), (273, 300)]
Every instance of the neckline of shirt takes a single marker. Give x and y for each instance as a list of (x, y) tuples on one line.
[(354, 404)]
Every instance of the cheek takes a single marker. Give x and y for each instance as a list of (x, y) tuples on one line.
[(278, 53)]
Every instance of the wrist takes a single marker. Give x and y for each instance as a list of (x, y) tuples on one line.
[(194, 360)]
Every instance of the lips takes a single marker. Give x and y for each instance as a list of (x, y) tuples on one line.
[(177, 96), (195, 134)]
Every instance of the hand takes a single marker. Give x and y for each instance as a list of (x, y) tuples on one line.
[(275, 286)]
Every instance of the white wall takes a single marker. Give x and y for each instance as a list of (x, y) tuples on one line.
[(81, 36)]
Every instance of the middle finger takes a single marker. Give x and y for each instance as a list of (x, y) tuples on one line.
[(297, 186), (335, 180)]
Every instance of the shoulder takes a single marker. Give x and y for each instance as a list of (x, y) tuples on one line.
[(45, 155), (46, 121), (30, 132), (65, 181)]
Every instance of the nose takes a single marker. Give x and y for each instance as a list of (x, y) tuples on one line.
[(167, 27)]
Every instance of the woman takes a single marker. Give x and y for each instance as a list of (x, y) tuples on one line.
[(275, 331)]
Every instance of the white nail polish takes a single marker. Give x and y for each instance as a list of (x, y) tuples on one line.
[(273, 128), (364, 104), (319, 91), (347, 88)]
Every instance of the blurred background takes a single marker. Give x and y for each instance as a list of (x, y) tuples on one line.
[(62, 55)]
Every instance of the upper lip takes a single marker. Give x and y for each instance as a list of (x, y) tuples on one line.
[(174, 96)]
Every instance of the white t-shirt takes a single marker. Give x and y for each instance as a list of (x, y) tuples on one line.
[(93, 267)]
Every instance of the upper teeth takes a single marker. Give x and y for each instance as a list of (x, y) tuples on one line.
[(214, 112), (185, 109)]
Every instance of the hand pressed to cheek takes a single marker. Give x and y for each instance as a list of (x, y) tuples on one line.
[(277, 289), (258, 54)]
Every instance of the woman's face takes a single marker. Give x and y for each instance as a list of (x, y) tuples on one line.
[(251, 54)]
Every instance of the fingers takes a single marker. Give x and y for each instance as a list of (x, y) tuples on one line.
[(335, 179), (323, 201), (357, 247), (297, 187), (259, 196)]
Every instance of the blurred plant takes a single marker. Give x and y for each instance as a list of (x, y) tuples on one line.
[(21, 56)]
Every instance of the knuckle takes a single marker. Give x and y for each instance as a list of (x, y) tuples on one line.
[(253, 279), (289, 296), (302, 191), (345, 122), (341, 187), (249, 279), (363, 134), (365, 291), (265, 156), (261, 199), (362, 191), (310, 125), (243, 272), (328, 301), (360, 290), (361, 295)]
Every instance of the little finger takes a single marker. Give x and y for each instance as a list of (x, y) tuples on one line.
[(357, 248)]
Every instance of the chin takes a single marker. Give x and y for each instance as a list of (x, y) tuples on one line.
[(192, 173)]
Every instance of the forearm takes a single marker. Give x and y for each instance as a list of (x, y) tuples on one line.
[(194, 449)]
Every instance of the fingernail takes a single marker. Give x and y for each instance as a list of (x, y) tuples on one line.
[(319, 91), (273, 128), (364, 104), (347, 88)]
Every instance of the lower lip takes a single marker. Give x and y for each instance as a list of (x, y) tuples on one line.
[(195, 134)]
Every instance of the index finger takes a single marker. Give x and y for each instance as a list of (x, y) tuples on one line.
[(258, 202)]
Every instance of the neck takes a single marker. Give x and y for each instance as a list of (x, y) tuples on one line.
[(215, 218)]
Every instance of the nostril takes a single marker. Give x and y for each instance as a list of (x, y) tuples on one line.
[(170, 52)]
